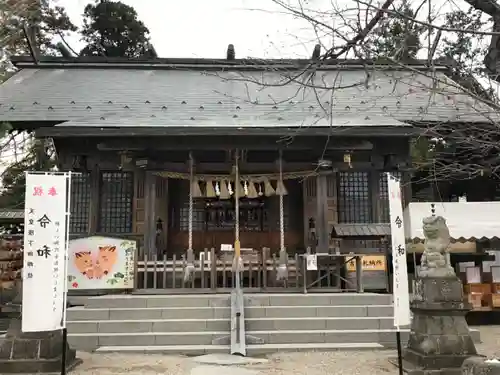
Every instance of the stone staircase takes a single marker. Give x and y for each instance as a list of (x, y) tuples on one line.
[(194, 324)]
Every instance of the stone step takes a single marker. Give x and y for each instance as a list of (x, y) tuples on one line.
[(252, 350), (323, 299), (200, 325), (318, 299), (91, 341), (91, 314), (125, 301)]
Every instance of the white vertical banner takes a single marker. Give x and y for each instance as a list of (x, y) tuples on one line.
[(45, 250), (402, 313)]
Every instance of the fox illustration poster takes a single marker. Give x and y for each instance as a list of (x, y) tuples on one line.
[(101, 263)]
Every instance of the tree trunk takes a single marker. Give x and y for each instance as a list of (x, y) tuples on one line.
[(492, 58)]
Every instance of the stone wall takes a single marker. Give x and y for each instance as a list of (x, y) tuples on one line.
[(11, 264)]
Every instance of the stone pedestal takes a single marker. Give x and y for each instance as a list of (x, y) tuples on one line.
[(480, 366), (38, 352), (440, 340)]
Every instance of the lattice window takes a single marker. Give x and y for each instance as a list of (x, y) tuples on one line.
[(384, 196), (117, 191), (310, 186), (80, 203), (354, 198), (198, 216), (212, 215)]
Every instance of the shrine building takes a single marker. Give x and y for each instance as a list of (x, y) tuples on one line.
[(162, 147)]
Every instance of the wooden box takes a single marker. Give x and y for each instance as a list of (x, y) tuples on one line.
[(475, 300), (477, 288), (495, 288), (492, 300)]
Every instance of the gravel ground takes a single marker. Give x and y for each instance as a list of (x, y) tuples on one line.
[(312, 363)]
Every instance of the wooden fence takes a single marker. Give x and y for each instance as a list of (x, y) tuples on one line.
[(213, 272)]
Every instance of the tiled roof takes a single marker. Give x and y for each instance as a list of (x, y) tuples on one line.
[(359, 230), (231, 98), (264, 121)]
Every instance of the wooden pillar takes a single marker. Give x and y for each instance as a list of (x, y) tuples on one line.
[(138, 221), (150, 222), (42, 158), (322, 212), (161, 212), (407, 192), (95, 198), (376, 202)]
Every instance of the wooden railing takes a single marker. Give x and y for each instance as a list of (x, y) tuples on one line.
[(213, 273)]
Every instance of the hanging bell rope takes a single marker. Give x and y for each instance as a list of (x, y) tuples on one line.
[(282, 272), (237, 261), (210, 191), (189, 269), (280, 186), (281, 189), (191, 193)]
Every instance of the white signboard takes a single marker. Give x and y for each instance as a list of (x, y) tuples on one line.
[(402, 314), (226, 247), (45, 245), (312, 262)]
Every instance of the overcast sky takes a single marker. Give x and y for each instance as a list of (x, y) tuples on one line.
[(257, 28), (196, 28)]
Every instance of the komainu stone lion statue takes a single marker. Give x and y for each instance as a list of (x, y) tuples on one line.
[(435, 259)]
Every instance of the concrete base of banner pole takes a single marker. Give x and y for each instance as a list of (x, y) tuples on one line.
[(440, 340), (34, 352)]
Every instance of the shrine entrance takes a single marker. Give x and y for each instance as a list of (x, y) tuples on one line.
[(256, 216), (267, 213)]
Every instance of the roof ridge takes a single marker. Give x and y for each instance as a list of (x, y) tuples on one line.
[(211, 63)]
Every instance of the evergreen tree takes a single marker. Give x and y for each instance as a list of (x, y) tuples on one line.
[(112, 29), (47, 22), (396, 37), (491, 59)]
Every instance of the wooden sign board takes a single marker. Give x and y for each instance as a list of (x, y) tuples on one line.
[(369, 263)]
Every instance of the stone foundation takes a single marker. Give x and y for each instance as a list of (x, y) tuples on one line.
[(37, 352)]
